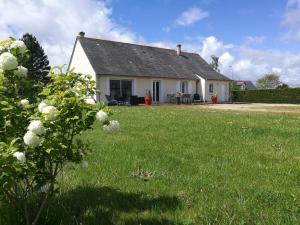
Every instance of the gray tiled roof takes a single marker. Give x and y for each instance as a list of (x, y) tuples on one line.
[(248, 84), (116, 58)]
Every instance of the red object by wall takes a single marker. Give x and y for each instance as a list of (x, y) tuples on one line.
[(148, 101), (214, 99)]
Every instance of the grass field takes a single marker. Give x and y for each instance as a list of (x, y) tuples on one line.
[(206, 167)]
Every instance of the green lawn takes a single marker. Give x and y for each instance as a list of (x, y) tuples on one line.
[(209, 168)]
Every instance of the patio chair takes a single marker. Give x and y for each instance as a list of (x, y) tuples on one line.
[(186, 98), (197, 99), (171, 98), (111, 102)]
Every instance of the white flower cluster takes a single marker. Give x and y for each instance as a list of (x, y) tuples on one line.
[(8, 61), (2, 48), (24, 102), (41, 106), (112, 127), (31, 139), (21, 71), (49, 111), (35, 128), (90, 101), (20, 156), (102, 116), (19, 45)]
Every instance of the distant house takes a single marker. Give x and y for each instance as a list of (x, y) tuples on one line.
[(245, 85), (122, 70)]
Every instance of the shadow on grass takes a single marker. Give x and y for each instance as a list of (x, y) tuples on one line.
[(104, 205)]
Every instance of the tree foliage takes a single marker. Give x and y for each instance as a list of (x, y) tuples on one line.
[(37, 62), (283, 86), (268, 81), (215, 63)]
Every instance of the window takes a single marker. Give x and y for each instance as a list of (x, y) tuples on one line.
[(183, 87), (120, 89), (211, 88)]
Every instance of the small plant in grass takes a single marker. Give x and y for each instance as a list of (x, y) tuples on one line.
[(143, 174), (38, 141)]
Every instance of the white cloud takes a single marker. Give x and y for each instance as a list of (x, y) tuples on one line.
[(226, 60), (291, 20), (56, 23), (254, 40), (191, 16), (188, 18), (244, 62), (212, 46)]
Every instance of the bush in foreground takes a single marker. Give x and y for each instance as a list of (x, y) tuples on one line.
[(38, 141)]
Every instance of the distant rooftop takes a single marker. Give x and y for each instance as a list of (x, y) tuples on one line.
[(248, 85)]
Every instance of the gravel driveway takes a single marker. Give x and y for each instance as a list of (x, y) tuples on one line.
[(255, 107)]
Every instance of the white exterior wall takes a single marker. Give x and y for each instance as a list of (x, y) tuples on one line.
[(141, 84), (220, 87), (80, 62)]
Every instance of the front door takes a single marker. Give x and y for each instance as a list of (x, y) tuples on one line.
[(156, 91)]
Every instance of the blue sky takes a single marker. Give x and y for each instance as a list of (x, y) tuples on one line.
[(251, 37), (232, 20)]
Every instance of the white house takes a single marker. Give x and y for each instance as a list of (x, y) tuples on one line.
[(122, 70)]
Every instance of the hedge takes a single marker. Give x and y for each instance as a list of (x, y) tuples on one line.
[(288, 95)]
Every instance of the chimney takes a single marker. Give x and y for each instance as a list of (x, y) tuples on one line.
[(178, 49), (81, 34)]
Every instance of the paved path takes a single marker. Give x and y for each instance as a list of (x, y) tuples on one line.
[(255, 107)]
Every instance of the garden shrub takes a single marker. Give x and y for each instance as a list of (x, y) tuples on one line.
[(38, 140), (288, 95)]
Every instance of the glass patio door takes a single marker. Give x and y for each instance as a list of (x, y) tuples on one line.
[(156, 91)]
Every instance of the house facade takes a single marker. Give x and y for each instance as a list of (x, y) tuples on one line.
[(123, 70)]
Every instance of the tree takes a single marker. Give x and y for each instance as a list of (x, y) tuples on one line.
[(37, 62), (283, 86), (215, 63), (268, 81)]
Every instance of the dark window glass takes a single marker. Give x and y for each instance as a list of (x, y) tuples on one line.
[(211, 88), (115, 89), (120, 90), (183, 88), (126, 89), (157, 91)]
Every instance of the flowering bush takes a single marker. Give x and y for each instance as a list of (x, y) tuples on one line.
[(38, 140)]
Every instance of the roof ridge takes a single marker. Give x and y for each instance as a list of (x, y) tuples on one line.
[(141, 45)]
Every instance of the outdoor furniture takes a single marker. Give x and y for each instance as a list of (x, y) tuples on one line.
[(186, 98), (121, 100), (134, 100), (178, 100), (141, 100), (197, 99), (171, 98), (110, 101)]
